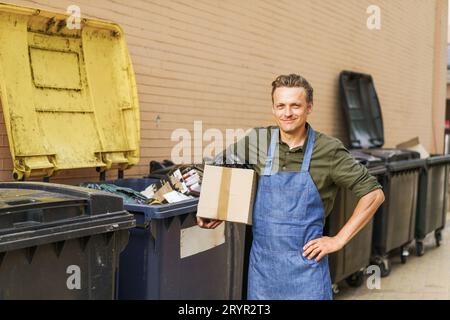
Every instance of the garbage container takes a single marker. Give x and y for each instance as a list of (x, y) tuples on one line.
[(170, 257), (59, 242), (69, 101), (350, 262), (432, 200), (394, 224)]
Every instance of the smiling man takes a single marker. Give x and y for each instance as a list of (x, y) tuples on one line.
[(299, 176)]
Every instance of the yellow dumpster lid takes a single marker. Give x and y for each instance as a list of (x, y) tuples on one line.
[(69, 96)]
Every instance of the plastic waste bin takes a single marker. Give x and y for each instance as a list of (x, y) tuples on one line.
[(432, 200), (59, 242), (350, 262), (394, 224), (74, 91), (170, 257)]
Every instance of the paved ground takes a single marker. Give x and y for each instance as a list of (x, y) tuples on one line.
[(426, 277)]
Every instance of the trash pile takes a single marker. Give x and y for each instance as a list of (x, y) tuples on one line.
[(129, 195), (174, 183)]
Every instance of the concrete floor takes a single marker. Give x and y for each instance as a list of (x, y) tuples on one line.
[(421, 278)]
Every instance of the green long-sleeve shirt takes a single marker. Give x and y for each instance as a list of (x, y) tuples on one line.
[(331, 167)]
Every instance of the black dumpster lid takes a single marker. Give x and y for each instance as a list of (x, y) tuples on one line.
[(20, 208), (378, 170), (361, 109), (18, 199), (393, 155), (51, 202), (415, 164), (37, 213), (98, 201), (438, 160), (366, 159)]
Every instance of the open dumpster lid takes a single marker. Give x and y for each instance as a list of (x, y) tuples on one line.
[(68, 95), (362, 110)]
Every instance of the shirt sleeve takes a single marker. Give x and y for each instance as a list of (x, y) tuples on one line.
[(346, 172)]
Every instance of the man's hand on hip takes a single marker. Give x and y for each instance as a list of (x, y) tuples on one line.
[(320, 247)]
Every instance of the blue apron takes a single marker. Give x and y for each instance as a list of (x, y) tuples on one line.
[(288, 212)]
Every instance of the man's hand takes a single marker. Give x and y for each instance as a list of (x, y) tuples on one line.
[(208, 223), (364, 211), (320, 247)]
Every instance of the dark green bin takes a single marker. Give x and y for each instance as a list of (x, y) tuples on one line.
[(350, 262), (432, 200)]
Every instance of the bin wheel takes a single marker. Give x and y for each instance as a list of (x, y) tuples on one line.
[(420, 248), (355, 280), (404, 253), (335, 288), (438, 237), (384, 264)]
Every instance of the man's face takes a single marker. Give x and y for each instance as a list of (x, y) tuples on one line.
[(290, 108)]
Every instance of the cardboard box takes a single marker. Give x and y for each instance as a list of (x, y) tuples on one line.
[(227, 194), (414, 145)]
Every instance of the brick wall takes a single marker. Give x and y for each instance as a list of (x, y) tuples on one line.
[(214, 61)]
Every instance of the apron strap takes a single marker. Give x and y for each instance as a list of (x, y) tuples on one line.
[(269, 159), (273, 144), (309, 150)]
